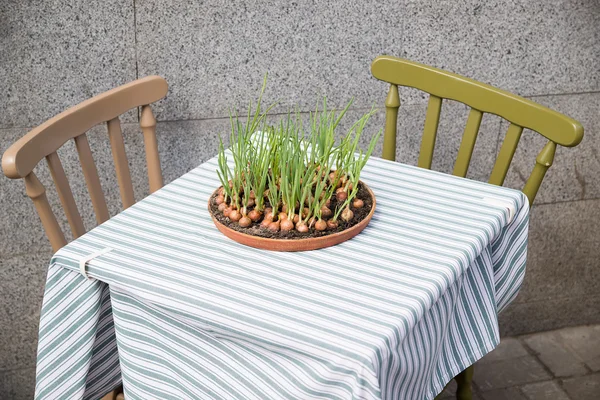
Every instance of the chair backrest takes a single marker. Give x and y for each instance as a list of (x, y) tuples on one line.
[(482, 98), (43, 142)]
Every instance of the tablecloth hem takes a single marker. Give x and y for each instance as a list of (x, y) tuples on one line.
[(465, 363)]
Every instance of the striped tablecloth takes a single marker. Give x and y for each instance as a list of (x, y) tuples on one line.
[(181, 312)]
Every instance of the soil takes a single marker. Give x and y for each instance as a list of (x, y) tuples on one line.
[(256, 230)]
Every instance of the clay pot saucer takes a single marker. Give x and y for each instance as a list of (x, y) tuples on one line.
[(309, 243)]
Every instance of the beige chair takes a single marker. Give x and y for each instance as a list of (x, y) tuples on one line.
[(42, 142)]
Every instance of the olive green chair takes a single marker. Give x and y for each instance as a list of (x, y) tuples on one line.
[(521, 113)]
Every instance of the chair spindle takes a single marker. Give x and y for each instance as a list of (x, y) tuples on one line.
[(37, 193), (467, 144), (148, 125), (65, 194), (392, 103), (121, 165), (505, 156), (432, 119), (92, 180), (542, 162)]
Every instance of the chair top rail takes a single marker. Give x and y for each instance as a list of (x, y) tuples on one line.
[(554, 126), (22, 157)]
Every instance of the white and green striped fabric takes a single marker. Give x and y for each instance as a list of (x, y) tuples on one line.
[(179, 311)]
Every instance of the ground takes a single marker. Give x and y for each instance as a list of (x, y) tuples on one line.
[(555, 365)]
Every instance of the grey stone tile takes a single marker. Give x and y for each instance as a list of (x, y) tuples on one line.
[(56, 54), (583, 387), (215, 56), (524, 46), (585, 342), (552, 350), (575, 174), (511, 393), (507, 349), (563, 253), (17, 384), (549, 390), (186, 144), (507, 373), (22, 280), (543, 315)]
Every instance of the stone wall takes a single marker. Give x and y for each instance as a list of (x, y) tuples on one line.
[(54, 54)]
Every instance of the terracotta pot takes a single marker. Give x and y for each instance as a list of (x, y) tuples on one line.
[(294, 244)]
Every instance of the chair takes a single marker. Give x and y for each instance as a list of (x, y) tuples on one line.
[(521, 113), (43, 142)]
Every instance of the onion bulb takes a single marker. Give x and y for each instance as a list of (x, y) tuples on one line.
[(265, 222), (245, 221), (331, 224), (326, 212), (302, 227), (286, 225), (358, 203), (273, 226), (347, 214), (320, 225), (227, 211), (341, 194), (282, 216), (220, 199), (235, 215), (222, 207), (296, 218), (255, 215)]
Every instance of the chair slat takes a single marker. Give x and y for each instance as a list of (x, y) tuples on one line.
[(392, 103), (148, 125), (432, 119), (91, 178), (542, 162), (36, 191), (467, 144), (117, 146), (65, 194), (505, 156)]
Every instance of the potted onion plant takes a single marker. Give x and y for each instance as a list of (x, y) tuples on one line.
[(288, 189)]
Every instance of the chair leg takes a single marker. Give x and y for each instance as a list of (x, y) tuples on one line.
[(464, 390), (110, 396)]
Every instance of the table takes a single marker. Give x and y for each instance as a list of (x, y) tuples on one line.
[(182, 312)]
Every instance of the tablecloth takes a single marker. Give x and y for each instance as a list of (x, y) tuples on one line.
[(178, 311)]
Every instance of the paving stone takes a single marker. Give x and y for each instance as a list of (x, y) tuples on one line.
[(509, 373), (553, 352), (549, 390), (583, 387), (503, 394), (17, 384), (507, 349), (585, 342)]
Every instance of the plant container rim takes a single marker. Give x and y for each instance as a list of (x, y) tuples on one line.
[(289, 245)]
